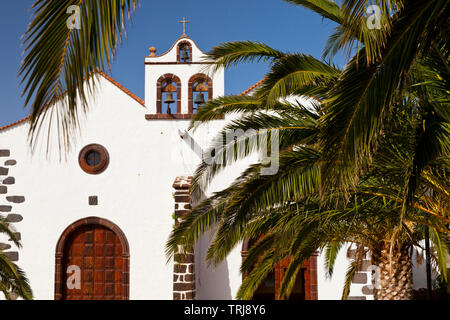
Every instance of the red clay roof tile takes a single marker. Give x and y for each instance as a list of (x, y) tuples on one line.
[(253, 87)]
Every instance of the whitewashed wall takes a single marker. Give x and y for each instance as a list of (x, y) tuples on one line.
[(135, 191)]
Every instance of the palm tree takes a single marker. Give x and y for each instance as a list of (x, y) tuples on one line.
[(252, 197), (338, 149), (287, 210), (13, 281), (428, 83)]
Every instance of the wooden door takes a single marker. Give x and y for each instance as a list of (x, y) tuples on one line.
[(97, 251), (305, 286)]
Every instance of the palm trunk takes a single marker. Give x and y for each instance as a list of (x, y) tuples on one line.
[(395, 273)]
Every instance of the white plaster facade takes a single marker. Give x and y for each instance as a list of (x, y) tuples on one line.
[(135, 191)]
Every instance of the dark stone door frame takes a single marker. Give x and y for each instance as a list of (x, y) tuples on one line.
[(59, 275)]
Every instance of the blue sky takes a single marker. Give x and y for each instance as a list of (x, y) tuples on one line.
[(275, 22)]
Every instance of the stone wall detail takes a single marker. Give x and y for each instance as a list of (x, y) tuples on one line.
[(362, 277), (183, 266), (9, 202)]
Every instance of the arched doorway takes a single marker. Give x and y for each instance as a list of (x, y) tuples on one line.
[(92, 262), (305, 287)]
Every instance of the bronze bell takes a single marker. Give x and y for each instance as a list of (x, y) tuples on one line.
[(200, 99), (185, 56), (169, 98)]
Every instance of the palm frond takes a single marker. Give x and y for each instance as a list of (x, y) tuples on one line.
[(365, 95), (13, 279), (60, 58), (201, 219), (222, 106), (242, 137), (331, 252), (292, 73), (228, 54), (308, 248), (7, 229), (351, 270), (441, 250), (326, 8), (260, 272)]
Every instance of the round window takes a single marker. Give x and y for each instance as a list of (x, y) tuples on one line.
[(93, 159)]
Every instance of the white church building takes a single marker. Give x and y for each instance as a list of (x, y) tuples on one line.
[(106, 210)]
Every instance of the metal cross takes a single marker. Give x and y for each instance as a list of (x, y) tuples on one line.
[(184, 21)]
